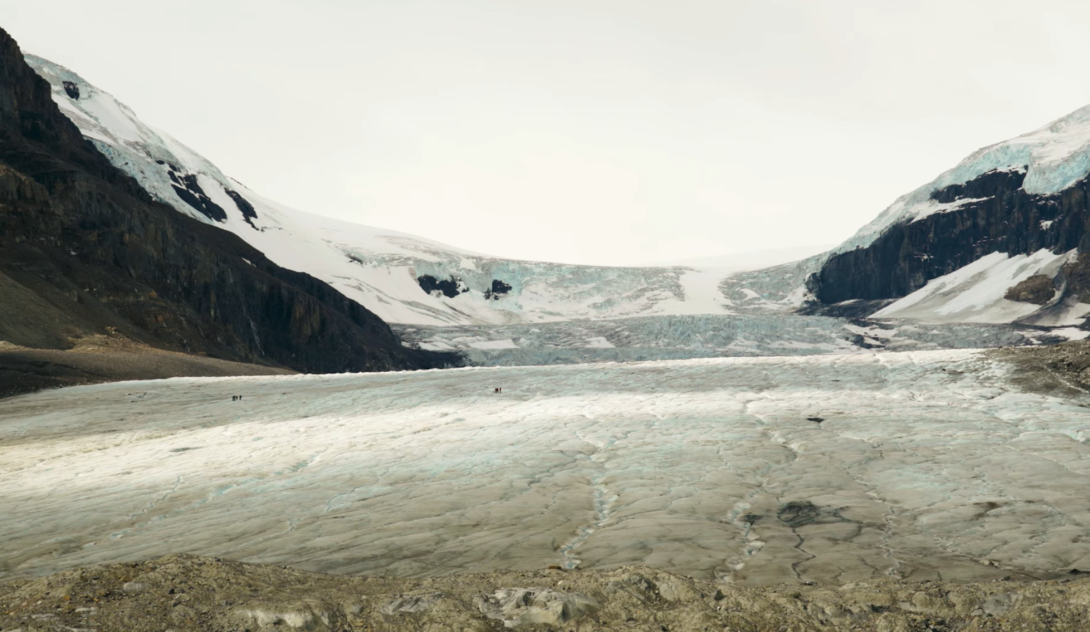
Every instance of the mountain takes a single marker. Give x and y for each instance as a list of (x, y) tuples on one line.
[(996, 240), (86, 252), (1000, 238), (401, 278)]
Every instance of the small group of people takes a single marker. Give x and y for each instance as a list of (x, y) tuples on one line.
[(235, 398), (498, 390)]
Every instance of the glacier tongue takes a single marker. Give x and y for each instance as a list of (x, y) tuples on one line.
[(680, 337), (825, 468)]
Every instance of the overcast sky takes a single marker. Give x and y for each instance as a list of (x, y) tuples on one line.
[(586, 131)]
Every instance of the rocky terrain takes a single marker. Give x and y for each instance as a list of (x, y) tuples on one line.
[(184, 593), (991, 213), (1062, 370), (85, 251)]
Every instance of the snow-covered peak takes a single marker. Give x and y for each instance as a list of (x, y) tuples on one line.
[(402, 278), (1053, 158)]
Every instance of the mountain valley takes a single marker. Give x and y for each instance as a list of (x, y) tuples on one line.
[(221, 413)]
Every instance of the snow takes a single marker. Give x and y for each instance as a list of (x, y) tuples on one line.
[(931, 207), (379, 268), (1071, 333), (429, 473), (599, 342), (1053, 158), (975, 293), (494, 344)]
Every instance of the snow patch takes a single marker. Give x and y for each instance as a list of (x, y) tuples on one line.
[(975, 293)]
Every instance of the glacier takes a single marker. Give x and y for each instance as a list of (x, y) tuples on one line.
[(386, 271), (377, 268), (702, 336), (830, 468)]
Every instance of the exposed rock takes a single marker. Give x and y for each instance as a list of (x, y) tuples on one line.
[(244, 206), (1076, 276), (498, 290), (1037, 289), (677, 589), (71, 89), (192, 194), (303, 619), (999, 605), (1001, 217), (524, 606), (449, 288)]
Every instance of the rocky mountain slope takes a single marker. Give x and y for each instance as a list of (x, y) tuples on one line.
[(996, 240), (402, 278), (1002, 237), (85, 251)]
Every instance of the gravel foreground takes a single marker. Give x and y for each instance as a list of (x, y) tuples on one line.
[(180, 593)]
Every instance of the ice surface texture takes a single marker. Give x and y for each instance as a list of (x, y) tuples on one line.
[(924, 464), (681, 337)]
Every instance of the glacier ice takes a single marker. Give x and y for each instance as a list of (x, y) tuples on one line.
[(680, 337), (925, 464)]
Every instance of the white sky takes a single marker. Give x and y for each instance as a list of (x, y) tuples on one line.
[(588, 131)]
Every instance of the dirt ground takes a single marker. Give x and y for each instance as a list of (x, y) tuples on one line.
[(1062, 370)]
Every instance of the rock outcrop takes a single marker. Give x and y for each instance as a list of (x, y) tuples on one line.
[(991, 213)]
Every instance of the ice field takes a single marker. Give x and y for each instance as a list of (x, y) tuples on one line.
[(923, 465)]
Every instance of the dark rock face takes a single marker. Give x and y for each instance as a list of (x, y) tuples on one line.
[(83, 250), (499, 289), (453, 286), (1076, 278), (449, 287), (71, 89), (1037, 289), (190, 191), (247, 209), (1004, 218)]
